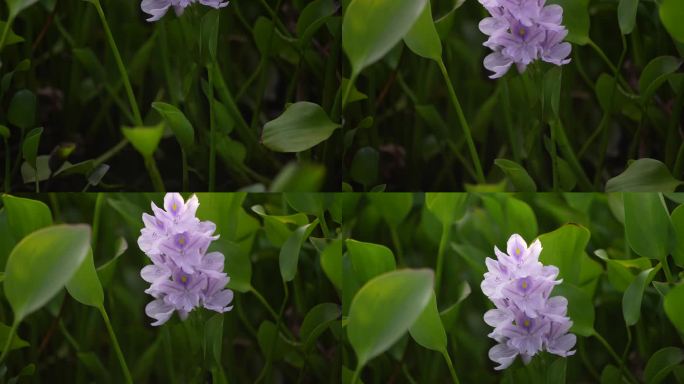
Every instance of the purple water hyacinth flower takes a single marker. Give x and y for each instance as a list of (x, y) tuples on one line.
[(521, 32), (182, 276), (158, 8), (526, 319)]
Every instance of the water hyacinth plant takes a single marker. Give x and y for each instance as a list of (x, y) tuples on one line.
[(526, 319), (594, 102), (182, 275), (280, 251)]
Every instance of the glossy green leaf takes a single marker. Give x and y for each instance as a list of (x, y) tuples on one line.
[(647, 224), (674, 306), (30, 146), (557, 371), (105, 272), (627, 13), (11, 38), (576, 19), (25, 215), (449, 315), (289, 253), (310, 203), (580, 308), (331, 263), (393, 207), (303, 125), (611, 375), (144, 139), (316, 321), (644, 175), (237, 263), (41, 264), (662, 363), (447, 207), (371, 28), (278, 227), (369, 260), (422, 38), (299, 177), (671, 15), (16, 6), (85, 285), (428, 329), (365, 166), (563, 248), (631, 300), (677, 219), (22, 109), (656, 73), (385, 308), (178, 123), (312, 18), (517, 175)]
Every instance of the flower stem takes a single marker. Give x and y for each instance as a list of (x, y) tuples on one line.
[(155, 176), (8, 171), (397, 245), (96, 219), (119, 63), (464, 123), (668, 273), (115, 343), (324, 225), (347, 90), (357, 373), (8, 342), (212, 139), (446, 231), (447, 358), (615, 356)]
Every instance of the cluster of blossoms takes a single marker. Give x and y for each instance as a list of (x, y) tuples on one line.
[(526, 320), (157, 8), (522, 31), (183, 276)]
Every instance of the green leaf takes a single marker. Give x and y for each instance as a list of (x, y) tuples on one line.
[(213, 337), (25, 215), (310, 203), (85, 285), (105, 272), (671, 15), (580, 308), (331, 262), (277, 227), (303, 125), (316, 321), (41, 264), (428, 329), (289, 253), (30, 146), (662, 363), (365, 166), (423, 39), (517, 175), (553, 79), (371, 28), (656, 73), (447, 207), (647, 224), (644, 175), (5, 132), (299, 177), (674, 306), (393, 207), (178, 123), (611, 375), (22, 109), (677, 219), (563, 248), (631, 300), (144, 139), (17, 342), (576, 19), (385, 308), (237, 263), (627, 13), (312, 18), (449, 315), (12, 38), (369, 260), (16, 6)]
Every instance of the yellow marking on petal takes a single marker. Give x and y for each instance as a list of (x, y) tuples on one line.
[(174, 207), (524, 284), (517, 251), (526, 323), (522, 31), (181, 241), (184, 279)]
